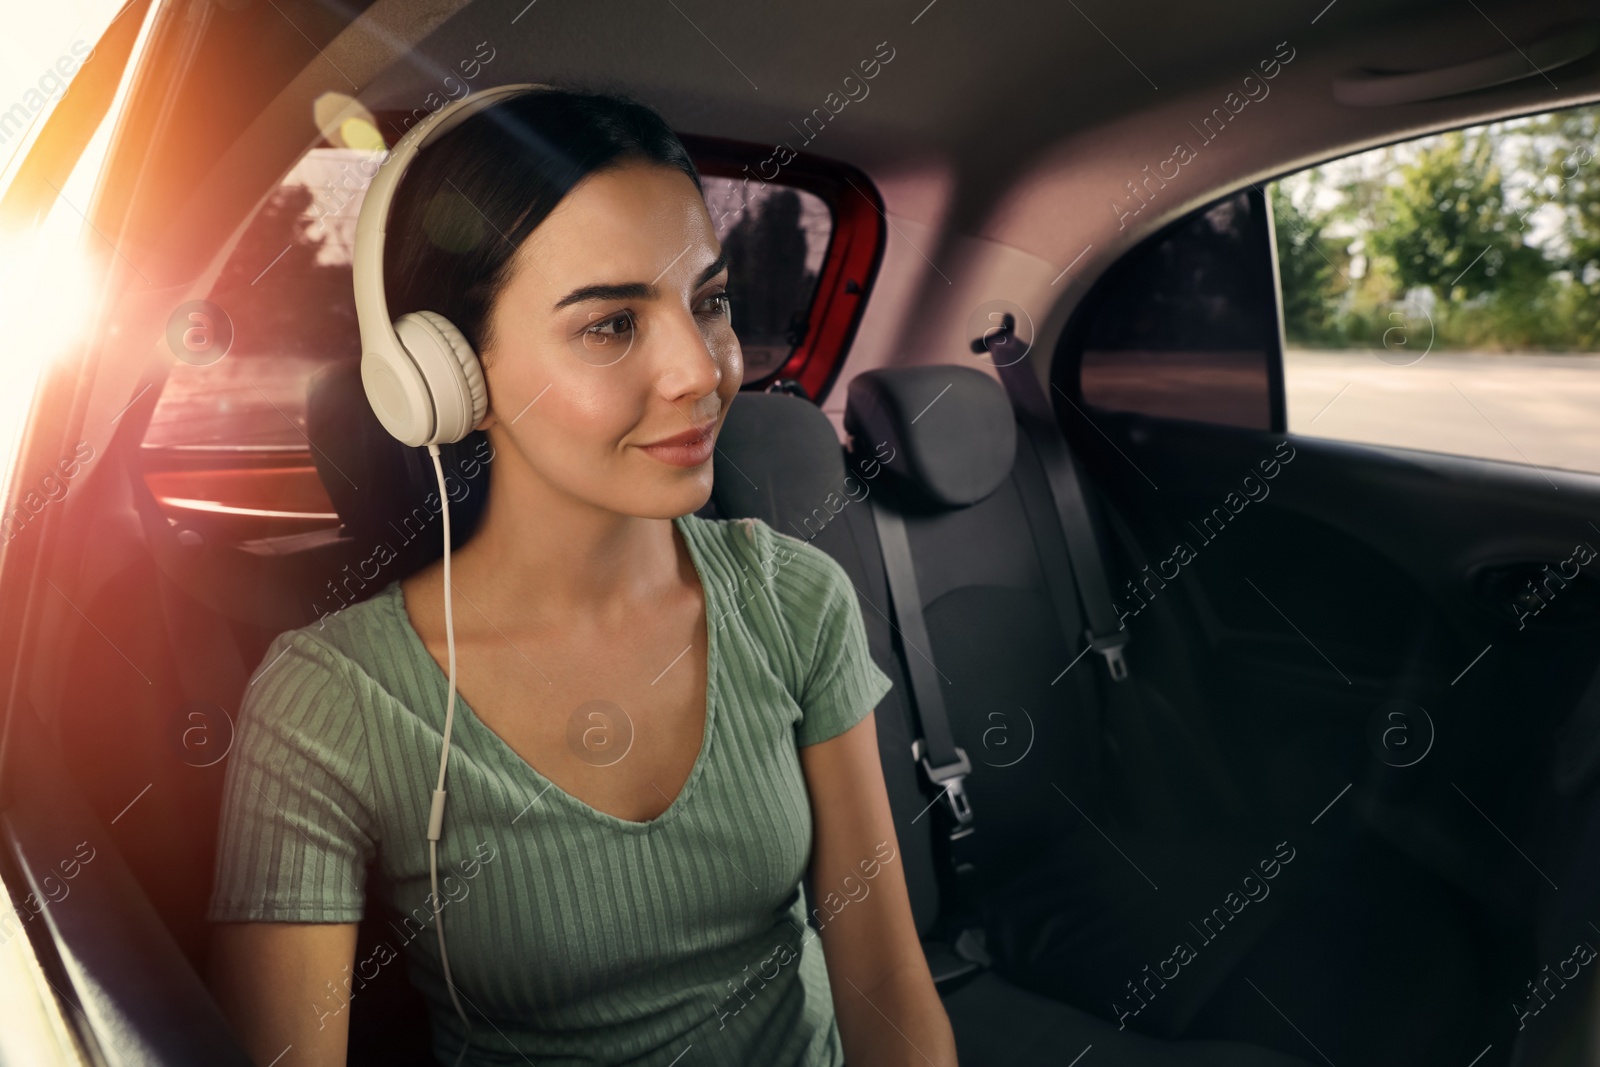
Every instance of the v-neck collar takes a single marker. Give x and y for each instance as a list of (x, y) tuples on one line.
[(475, 726)]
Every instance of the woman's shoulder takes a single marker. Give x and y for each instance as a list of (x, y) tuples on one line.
[(786, 564), (802, 585), (819, 645), (339, 643)]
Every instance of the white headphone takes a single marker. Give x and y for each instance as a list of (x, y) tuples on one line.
[(426, 385), (420, 373)]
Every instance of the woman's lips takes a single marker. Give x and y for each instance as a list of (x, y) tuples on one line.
[(691, 454)]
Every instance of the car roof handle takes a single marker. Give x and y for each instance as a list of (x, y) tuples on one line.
[(1373, 88)]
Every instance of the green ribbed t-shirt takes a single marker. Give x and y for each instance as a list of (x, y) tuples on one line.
[(575, 937)]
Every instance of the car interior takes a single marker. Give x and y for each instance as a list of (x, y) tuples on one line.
[(1035, 340)]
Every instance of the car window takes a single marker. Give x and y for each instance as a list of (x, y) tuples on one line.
[(776, 237), (1444, 293), (1182, 326), (39, 58), (228, 438)]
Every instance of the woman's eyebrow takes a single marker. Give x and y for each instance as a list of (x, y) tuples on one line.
[(635, 290)]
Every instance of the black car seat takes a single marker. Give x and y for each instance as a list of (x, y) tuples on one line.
[(993, 625), (1085, 920)]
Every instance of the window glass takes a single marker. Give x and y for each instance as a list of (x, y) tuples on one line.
[(1182, 327), (286, 297), (776, 238), (1444, 293), (40, 55)]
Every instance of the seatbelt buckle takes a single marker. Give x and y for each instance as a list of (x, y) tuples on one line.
[(1110, 646), (949, 778)]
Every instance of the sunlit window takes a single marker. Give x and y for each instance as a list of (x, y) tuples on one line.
[(1444, 293)]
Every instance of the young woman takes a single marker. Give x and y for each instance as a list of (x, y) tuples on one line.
[(661, 720)]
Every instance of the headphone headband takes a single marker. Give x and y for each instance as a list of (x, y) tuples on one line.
[(381, 344), (372, 224)]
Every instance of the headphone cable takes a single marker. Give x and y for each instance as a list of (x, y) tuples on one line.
[(436, 813)]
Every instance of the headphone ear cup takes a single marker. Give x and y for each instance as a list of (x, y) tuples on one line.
[(398, 394), (451, 368)]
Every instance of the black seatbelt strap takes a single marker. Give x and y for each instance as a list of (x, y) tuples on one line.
[(1106, 633), (1033, 488), (935, 750)]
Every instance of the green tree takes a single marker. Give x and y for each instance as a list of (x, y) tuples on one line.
[(1446, 225), (1308, 269), (1500, 222), (1564, 151)]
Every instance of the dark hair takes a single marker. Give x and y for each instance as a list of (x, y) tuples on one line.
[(470, 199), (466, 204)]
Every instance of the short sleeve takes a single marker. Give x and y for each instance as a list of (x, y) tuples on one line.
[(297, 828), (840, 684)]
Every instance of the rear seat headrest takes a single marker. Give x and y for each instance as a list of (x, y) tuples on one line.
[(380, 487), (362, 467), (789, 459), (951, 427)]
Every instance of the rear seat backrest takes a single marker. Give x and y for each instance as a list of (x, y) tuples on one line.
[(1031, 732), (993, 626)]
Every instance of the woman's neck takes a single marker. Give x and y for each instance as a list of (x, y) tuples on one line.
[(540, 551)]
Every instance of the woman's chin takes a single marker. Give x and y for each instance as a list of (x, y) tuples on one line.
[(687, 492)]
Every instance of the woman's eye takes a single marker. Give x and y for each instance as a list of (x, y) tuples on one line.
[(720, 303), (613, 326)]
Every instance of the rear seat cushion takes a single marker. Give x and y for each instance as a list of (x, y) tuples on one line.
[(1095, 924), (999, 1025)]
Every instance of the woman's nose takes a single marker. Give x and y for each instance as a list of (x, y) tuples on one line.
[(688, 363)]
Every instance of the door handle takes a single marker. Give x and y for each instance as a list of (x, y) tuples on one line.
[(1543, 593)]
